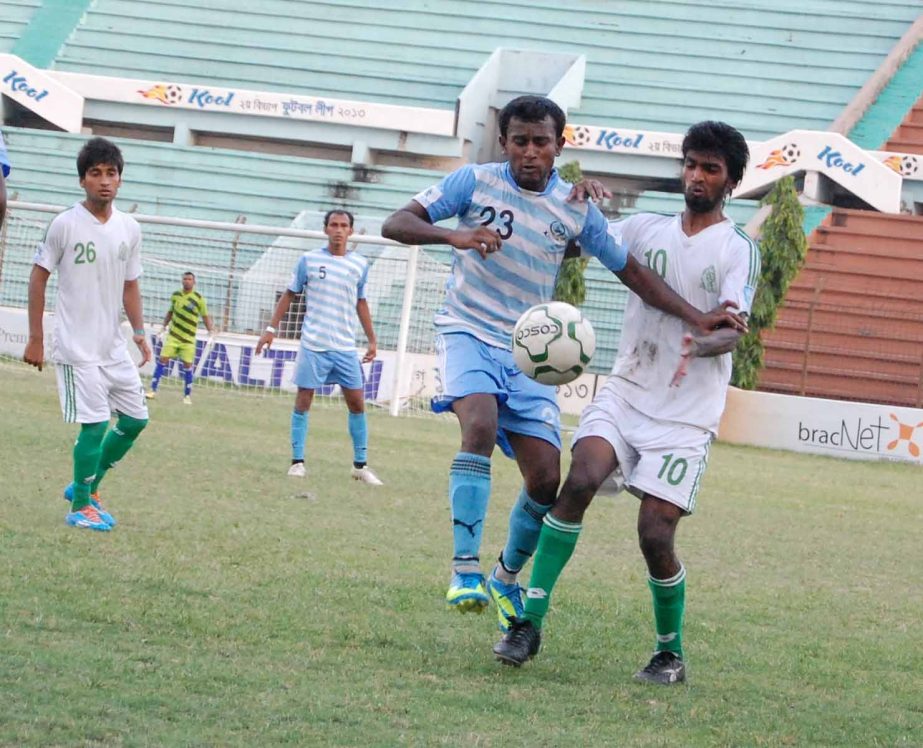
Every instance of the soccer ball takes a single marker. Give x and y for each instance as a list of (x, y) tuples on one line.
[(791, 153), (908, 166), (172, 95), (553, 343)]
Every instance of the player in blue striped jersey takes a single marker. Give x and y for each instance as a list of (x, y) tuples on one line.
[(333, 281), (4, 173), (517, 219)]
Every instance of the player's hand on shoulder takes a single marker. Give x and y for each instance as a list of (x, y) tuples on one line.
[(34, 354), (482, 240), (588, 189), (725, 315)]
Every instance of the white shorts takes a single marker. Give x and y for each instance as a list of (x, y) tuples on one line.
[(661, 458), (90, 393)]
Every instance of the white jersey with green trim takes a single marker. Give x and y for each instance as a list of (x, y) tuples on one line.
[(93, 260), (716, 265)]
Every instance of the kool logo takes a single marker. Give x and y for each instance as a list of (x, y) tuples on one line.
[(834, 160), (612, 140), (905, 434), (204, 97), (20, 84)]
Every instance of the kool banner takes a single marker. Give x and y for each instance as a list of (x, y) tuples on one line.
[(857, 431)]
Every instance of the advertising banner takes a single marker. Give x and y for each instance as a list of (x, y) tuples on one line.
[(855, 431), (39, 92)]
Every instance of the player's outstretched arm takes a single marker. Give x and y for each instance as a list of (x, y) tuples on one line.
[(269, 334), (715, 343), (365, 319), (411, 225), (654, 291), (131, 300), (35, 346)]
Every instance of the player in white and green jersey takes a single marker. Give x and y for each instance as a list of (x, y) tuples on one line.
[(96, 250), (659, 410), (186, 307)]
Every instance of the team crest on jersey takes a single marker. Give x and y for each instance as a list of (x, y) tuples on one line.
[(557, 232), (710, 279), (123, 251)]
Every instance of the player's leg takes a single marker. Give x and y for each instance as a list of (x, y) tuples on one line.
[(187, 358), (124, 390), (667, 477), (593, 460), (82, 396), (299, 425), (159, 368), (347, 372), (471, 386), (539, 463)]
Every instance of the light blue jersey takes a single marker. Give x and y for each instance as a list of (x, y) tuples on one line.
[(332, 285), (485, 298), (4, 159)]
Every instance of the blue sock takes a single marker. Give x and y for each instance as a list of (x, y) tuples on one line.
[(359, 433), (469, 492), (158, 373), (299, 434), (187, 378), (525, 527)]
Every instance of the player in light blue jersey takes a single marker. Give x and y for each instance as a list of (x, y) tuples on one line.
[(4, 173), (517, 218), (333, 281)]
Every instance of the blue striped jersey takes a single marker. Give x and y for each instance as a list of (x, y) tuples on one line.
[(332, 286), (4, 158), (486, 297)]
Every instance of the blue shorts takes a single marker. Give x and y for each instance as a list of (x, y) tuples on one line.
[(468, 366), (314, 369)]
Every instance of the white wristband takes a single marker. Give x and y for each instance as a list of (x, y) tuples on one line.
[(270, 328)]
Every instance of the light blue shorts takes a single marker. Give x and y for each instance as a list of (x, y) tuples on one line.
[(468, 366), (314, 369)]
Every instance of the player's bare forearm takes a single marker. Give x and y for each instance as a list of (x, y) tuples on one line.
[(267, 336), (131, 301), (209, 325), (714, 343), (34, 353), (411, 225), (652, 290), (365, 319)]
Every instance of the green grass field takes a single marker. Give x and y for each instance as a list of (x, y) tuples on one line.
[(236, 606)]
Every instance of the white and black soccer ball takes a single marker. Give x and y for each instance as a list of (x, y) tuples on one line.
[(580, 135), (553, 343), (909, 166), (172, 95), (791, 153)]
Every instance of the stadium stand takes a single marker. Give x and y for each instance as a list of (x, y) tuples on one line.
[(14, 18)]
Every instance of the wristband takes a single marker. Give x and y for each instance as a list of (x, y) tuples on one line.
[(271, 329), (138, 332)]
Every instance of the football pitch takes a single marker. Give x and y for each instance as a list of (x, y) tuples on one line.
[(236, 606)]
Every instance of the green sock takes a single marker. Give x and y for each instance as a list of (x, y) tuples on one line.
[(86, 457), (556, 545), (669, 606), (116, 444)]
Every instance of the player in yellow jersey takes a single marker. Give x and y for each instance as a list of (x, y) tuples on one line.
[(186, 306)]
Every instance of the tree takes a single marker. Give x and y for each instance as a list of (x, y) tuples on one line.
[(570, 285), (783, 248)]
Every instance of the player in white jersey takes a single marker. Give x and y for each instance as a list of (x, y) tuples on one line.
[(659, 410), (333, 281), (517, 218), (96, 250)]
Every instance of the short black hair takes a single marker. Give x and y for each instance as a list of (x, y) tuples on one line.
[(720, 139), (189, 272), (98, 151), (532, 109), (338, 212)]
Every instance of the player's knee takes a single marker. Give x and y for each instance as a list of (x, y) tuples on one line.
[(543, 486), (131, 427), (479, 434), (656, 540)]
